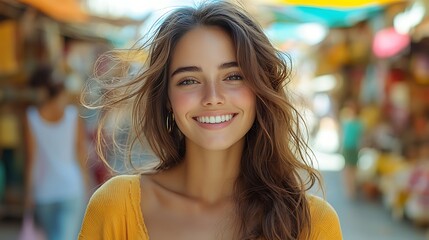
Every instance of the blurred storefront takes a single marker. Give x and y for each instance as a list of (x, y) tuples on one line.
[(44, 32), (374, 53)]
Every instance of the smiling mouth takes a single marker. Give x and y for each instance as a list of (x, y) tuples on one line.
[(215, 119)]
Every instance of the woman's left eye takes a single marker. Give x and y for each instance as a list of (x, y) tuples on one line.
[(187, 82), (234, 77)]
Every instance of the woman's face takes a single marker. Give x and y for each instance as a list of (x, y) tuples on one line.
[(212, 104)]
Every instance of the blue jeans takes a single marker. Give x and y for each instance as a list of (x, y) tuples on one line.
[(60, 220)]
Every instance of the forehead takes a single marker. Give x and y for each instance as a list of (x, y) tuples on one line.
[(204, 44)]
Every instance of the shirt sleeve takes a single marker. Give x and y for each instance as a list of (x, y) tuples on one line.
[(325, 222), (110, 213)]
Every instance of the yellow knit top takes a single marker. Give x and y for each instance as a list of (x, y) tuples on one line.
[(114, 212)]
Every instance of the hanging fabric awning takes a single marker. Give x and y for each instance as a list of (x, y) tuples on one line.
[(64, 10), (330, 13), (329, 17), (388, 42)]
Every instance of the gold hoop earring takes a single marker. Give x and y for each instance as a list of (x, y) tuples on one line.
[(170, 121)]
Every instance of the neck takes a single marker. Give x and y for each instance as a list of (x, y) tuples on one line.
[(210, 175), (57, 102), (53, 109)]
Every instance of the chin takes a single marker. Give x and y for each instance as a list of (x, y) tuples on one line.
[(217, 148), (219, 145)]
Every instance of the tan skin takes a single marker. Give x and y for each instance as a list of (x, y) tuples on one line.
[(52, 111), (194, 200)]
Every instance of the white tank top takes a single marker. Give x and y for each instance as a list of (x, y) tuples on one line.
[(56, 172)]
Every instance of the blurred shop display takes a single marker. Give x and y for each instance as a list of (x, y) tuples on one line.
[(66, 36), (375, 53), (8, 47)]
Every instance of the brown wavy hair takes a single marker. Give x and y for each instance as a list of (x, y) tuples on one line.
[(276, 172)]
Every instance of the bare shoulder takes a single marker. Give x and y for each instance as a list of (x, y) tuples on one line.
[(149, 201), (151, 184), (158, 190), (148, 187)]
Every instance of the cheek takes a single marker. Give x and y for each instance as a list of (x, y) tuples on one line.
[(247, 100), (181, 101)]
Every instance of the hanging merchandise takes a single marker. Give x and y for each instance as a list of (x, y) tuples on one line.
[(52, 40), (388, 43), (419, 61), (420, 68), (372, 84), (8, 48), (399, 99)]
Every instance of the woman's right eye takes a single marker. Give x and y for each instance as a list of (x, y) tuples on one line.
[(187, 82)]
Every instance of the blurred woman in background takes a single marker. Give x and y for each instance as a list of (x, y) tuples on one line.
[(352, 130), (56, 154)]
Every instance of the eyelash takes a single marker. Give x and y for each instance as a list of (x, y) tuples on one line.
[(235, 76), (187, 82)]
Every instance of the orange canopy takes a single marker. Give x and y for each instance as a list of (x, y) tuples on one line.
[(61, 10)]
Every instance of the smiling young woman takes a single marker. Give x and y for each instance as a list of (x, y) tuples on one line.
[(212, 104), (207, 85)]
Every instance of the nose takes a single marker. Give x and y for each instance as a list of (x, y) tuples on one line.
[(213, 95)]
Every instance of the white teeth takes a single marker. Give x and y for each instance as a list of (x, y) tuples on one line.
[(215, 119)]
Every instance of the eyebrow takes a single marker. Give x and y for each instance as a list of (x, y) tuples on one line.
[(198, 69)]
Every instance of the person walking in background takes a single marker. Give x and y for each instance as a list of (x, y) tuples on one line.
[(212, 104), (56, 174), (351, 137)]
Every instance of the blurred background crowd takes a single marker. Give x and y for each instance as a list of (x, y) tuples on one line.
[(360, 71)]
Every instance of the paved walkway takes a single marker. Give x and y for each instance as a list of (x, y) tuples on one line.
[(367, 220)]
